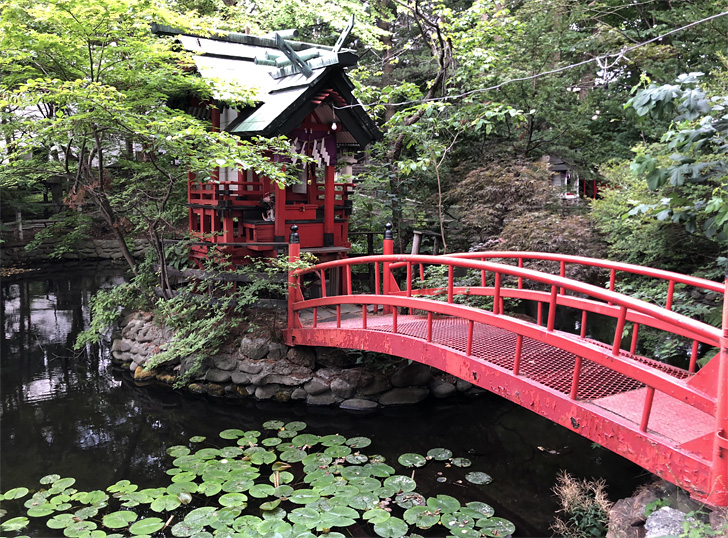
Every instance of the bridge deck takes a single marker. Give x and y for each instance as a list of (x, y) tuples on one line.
[(676, 422)]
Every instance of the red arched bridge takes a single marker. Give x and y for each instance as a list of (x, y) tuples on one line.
[(669, 420)]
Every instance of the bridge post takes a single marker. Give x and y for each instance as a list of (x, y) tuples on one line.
[(719, 479), (387, 249), (294, 289)]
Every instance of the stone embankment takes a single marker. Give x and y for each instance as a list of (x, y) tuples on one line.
[(97, 249), (268, 370)]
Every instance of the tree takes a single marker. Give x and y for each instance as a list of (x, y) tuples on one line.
[(87, 96)]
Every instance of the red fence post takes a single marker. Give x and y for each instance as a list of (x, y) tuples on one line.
[(387, 250), (719, 471), (294, 254)]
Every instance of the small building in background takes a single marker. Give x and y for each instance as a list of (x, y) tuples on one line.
[(303, 93)]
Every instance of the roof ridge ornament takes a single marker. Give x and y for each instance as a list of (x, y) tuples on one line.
[(344, 35), (293, 57)]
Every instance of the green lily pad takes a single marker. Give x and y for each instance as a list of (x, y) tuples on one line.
[(485, 510), (276, 513), (356, 458), (49, 479), (401, 483), (260, 491), (88, 512), (263, 457), (379, 469), (304, 496), (364, 501), (332, 440), (233, 499), (123, 486), (14, 524), (353, 472), (166, 503), (184, 476), (15, 493), (287, 434), (232, 433), (305, 439), (185, 497), (201, 516), (337, 516), (271, 441), (280, 466), (444, 503), (237, 485), (478, 478), (317, 459), (293, 455), (208, 489), (148, 525), (412, 460), (295, 426), (60, 521), (283, 477), (178, 451), (423, 517), (457, 522), (62, 484), (461, 462), (376, 515), (92, 497), (307, 517), (391, 528), (439, 454), (41, 511), (366, 483), (118, 520), (270, 505), (284, 491), (273, 425), (197, 439), (359, 442), (79, 528), (409, 499), (338, 451), (207, 453), (184, 529), (497, 526), (178, 487), (231, 451), (275, 527)]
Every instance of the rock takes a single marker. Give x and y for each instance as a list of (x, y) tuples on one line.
[(140, 374), (224, 362), (116, 346), (188, 363), (342, 388), (302, 356), (250, 366), (277, 351), (217, 376), (463, 385), (665, 521), (442, 389), (238, 392), (324, 398), (315, 386), (213, 389), (240, 378), (404, 396), (125, 345), (133, 366), (327, 375), (254, 348), (267, 392), (299, 393), (167, 378), (373, 384), (414, 374), (358, 404), (293, 379), (332, 357), (719, 520)]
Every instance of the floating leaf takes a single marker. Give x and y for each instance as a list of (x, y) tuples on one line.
[(366, 483), (284, 491), (118, 520), (378, 469), (178, 487), (183, 528), (49, 479), (273, 425), (478, 478), (287, 434), (457, 522), (62, 484), (178, 451), (412, 460), (408, 500), (401, 483), (439, 454), (331, 440), (485, 510), (271, 441), (231, 451), (307, 517), (14, 524), (356, 459), (206, 488), (423, 517), (184, 476), (148, 525), (276, 513), (79, 528), (295, 426), (232, 433), (497, 526), (270, 505), (185, 498), (305, 439), (233, 499), (93, 497), (87, 512), (281, 477), (260, 491), (207, 453), (364, 501), (280, 466), (461, 462), (293, 455), (337, 516), (274, 527), (391, 528), (237, 485), (377, 458), (15, 493), (376, 515), (166, 503), (304, 496), (201, 516), (317, 459), (338, 451), (41, 511), (444, 503), (359, 442), (197, 439)]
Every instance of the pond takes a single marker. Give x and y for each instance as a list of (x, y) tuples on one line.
[(74, 414)]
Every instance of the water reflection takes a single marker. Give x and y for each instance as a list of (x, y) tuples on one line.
[(72, 414)]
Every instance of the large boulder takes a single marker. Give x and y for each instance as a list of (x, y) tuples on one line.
[(404, 396), (302, 356), (254, 348), (412, 375)]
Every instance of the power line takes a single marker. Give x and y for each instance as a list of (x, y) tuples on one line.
[(599, 60)]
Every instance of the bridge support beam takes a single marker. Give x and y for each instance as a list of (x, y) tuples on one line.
[(719, 470)]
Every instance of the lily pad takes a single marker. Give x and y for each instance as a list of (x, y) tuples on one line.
[(123, 486), (148, 525), (49, 479), (461, 462), (270, 505), (232, 433), (166, 503), (439, 454), (271, 441), (293, 455), (338, 451), (178, 451), (401, 483), (412, 460), (62, 484), (379, 469), (197, 439), (184, 529), (423, 517), (478, 478), (359, 442), (118, 520), (356, 458), (284, 491), (332, 440), (201, 516), (444, 503), (391, 528), (364, 501), (282, 477), (307, 517), (408, 500), (61, 521), (497, 526), (295, 426), (273, 425), (376, 515), (41, 511), (261, 491), (80, 528), (207, 488), (304, 496), (233, 499), (14, 524), (305, 439), (485, 509)]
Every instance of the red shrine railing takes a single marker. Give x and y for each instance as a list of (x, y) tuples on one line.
[(669, 420)]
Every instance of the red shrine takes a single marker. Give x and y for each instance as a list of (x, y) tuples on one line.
[(304, 94)]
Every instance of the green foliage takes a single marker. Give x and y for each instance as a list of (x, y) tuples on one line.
[(283, 481), (69, 230)]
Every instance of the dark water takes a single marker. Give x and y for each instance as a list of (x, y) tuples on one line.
[(73, 414)]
